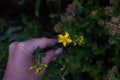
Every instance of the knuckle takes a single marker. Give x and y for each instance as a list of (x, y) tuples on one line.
[(45, 40), (21, 45), (12, 45)]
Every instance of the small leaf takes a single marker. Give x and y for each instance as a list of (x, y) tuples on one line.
[(37, 5), (5, 36), (112, 40), (13, 29)]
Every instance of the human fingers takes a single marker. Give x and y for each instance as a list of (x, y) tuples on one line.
[(57, 52), (12, 48), (50, 55), (42, 43)]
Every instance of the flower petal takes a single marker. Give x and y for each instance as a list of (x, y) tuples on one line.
[(60, 36), (32, 67), (69, 40), (75, 43), (37, 70), (64, 43), (66, 34), (60, 40), (40, 69)]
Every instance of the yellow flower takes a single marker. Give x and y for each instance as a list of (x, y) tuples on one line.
[(81, 40), (64, 39), (33, 67), (74, 43), (38, 70), (44, 65)]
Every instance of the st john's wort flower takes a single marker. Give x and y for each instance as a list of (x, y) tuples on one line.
[(37, 69), (79, 40), (65, 39)]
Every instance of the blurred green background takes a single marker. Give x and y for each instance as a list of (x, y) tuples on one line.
[(97, 20)]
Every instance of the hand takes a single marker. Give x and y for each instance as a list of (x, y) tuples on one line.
[(20, 58)]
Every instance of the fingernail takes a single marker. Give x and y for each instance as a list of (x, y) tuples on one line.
[(58, 51)]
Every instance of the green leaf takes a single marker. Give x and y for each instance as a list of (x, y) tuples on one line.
[(37, 5), (112, 40), (17, 37), (12, 29), (5, 36)]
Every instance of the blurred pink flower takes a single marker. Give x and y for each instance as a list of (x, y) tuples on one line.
[(108, 10)]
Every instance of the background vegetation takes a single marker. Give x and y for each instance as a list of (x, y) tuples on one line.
[(97, 20)]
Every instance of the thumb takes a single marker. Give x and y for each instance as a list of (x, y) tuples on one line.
[(50, 55)]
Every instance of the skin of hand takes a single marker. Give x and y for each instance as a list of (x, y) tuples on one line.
[(20, 58)]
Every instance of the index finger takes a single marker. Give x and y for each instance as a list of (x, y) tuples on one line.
[(40, 42)]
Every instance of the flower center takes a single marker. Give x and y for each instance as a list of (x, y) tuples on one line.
[(64, 39)]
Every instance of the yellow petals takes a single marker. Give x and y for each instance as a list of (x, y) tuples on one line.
[(69, 40), (32, 67), (44, 65), (74, 43), (79, 40), (66, 34), (37, 69), (60, 40), (60, 36), (64, 39), (64, 43)]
